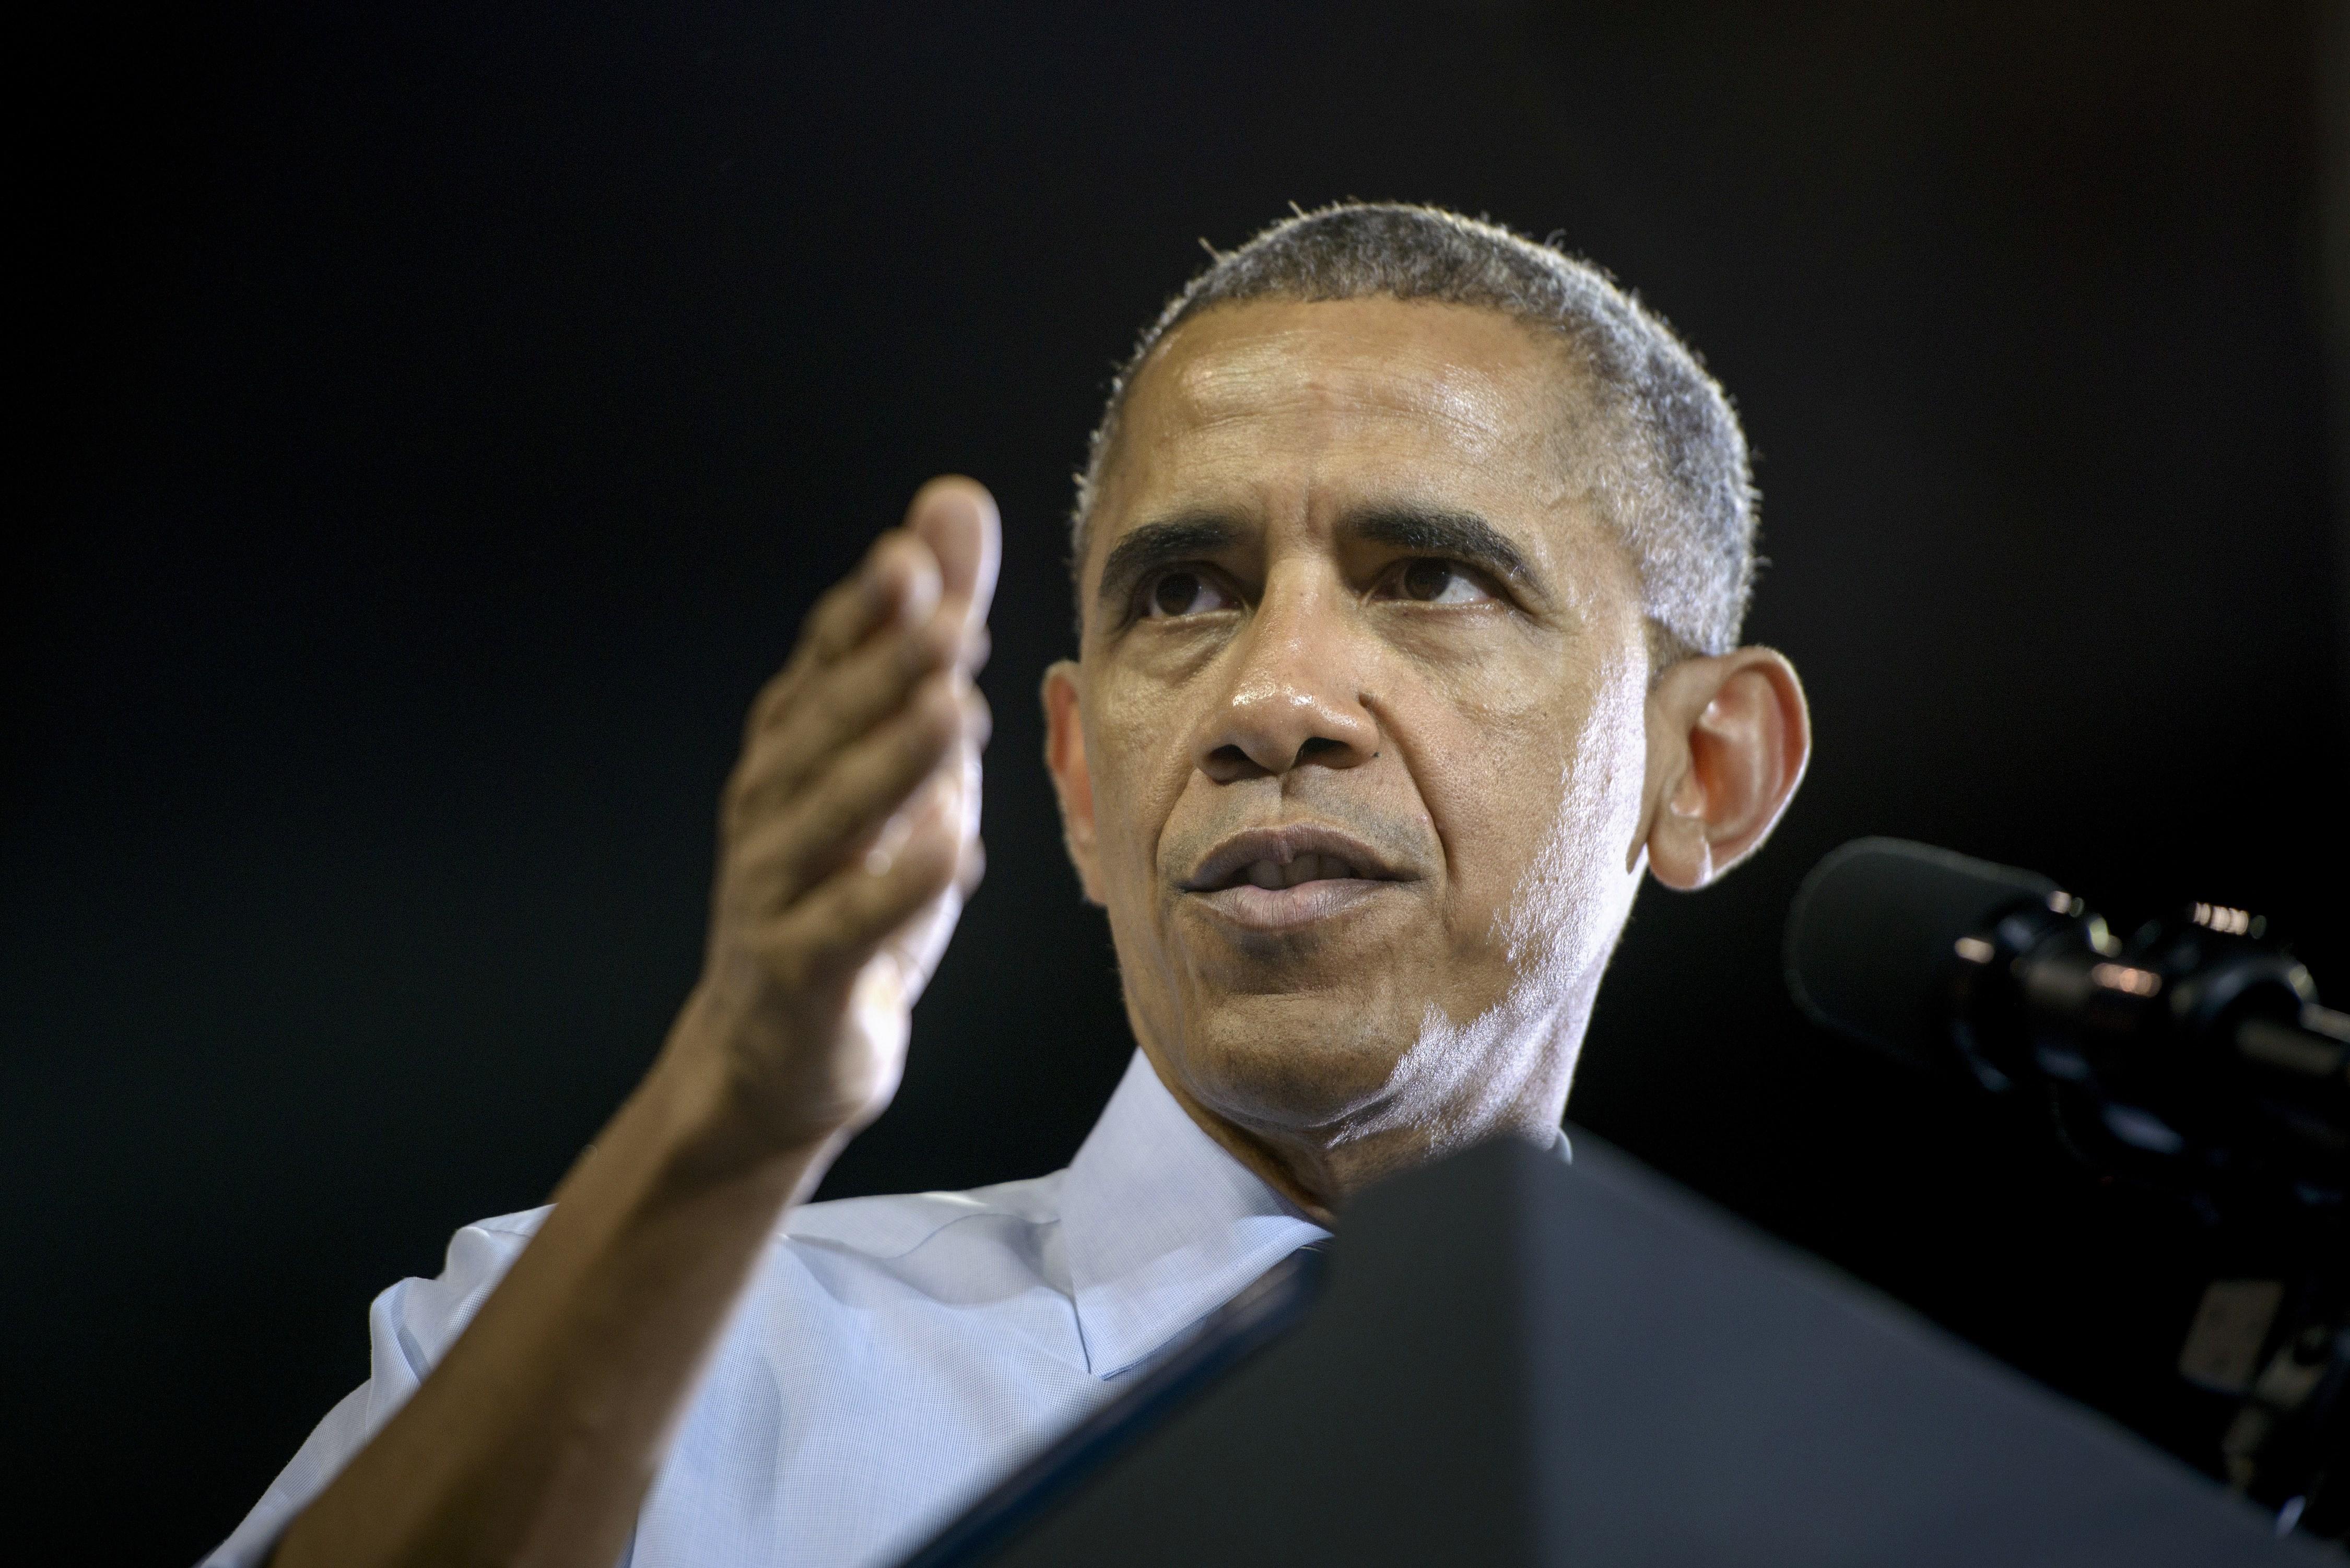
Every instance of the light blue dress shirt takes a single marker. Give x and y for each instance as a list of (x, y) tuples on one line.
[(892, 1355)]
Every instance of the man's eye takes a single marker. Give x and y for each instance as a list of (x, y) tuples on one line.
[(1431, 581), (1182, 593)]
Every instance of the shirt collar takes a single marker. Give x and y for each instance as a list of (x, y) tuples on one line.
[(1162, 1225)]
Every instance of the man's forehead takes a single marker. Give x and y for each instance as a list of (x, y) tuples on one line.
[(1363, 401), (1459, 376)]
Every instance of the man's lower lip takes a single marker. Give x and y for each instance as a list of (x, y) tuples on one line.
[(1278, 909)]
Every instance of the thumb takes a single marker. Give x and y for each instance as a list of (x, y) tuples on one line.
[(956, 518)]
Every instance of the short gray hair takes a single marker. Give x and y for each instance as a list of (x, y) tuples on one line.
[(1671, 467)]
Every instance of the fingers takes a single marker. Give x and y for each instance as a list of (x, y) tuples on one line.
[(942, 567), (835, 711), (841, 809), (830, 711), (896, 589), (916, 605), (860, 759), (850, 916)]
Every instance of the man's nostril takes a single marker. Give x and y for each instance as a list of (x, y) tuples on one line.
[(1317, 749), (1231, 762)]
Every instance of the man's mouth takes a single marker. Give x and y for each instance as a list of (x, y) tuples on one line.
[(1275, 877), (1304, 868)]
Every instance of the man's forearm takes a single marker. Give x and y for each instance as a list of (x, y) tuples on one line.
[(535, 1440), (847, 832)]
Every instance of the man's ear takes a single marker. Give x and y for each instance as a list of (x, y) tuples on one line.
[(1728, 739), (1064, 758)]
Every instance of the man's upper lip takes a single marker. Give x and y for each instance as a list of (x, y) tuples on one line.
[(1227, 865)]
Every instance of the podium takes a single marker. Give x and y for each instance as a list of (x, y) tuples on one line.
[(1513, 1361)]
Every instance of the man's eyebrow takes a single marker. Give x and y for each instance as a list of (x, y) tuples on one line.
[(1463, 535), (1143, 550)]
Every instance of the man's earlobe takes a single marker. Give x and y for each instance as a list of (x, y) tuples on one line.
[(1065, 759), (1729, 739)]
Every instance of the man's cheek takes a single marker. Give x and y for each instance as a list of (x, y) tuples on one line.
[(1131, 802)]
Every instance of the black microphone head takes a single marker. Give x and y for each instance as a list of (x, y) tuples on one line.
[(1873, 932)]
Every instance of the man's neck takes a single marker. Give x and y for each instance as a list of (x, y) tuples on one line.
[(1317, 1169)]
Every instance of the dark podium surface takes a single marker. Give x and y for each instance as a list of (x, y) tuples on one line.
[(1517, 1362)]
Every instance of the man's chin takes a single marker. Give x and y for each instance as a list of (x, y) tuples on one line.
[(1293, 1064)]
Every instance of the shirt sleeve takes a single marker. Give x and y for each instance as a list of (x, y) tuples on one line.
[(409, 1328)]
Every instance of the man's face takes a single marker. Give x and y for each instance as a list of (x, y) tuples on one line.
[(1361, 702)]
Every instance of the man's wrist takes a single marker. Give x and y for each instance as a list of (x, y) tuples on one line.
[(714, 1121)]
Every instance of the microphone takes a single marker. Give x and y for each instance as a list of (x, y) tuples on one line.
[(2193, 1053)]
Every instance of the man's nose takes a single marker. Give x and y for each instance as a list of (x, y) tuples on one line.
[(1294, 693)]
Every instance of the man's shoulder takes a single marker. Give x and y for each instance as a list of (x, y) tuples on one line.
[(481, 1251), (884, 1225), (893, 1224), (522, 1222)]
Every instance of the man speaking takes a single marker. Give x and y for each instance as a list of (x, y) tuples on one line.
[(1409, 559)]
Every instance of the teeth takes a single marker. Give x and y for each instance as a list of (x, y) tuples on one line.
[(1274, 875)]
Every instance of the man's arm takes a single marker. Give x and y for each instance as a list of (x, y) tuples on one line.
[(848, 835)]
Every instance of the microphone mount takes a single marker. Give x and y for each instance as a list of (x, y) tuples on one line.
[(2193, 1056), (2193, 1053)]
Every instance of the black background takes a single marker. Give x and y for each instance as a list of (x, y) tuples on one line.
[(439, 418)]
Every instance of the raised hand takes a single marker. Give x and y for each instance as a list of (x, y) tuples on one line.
[(850, 830)]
